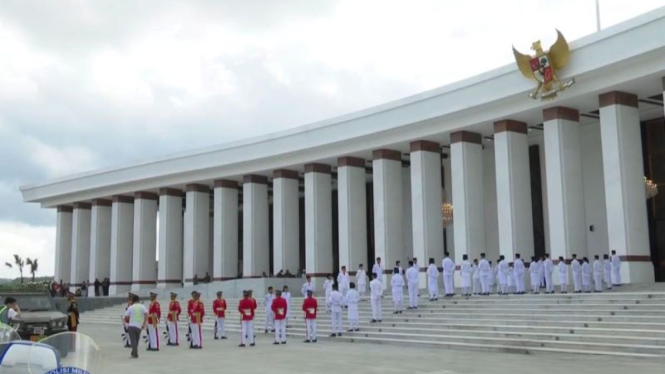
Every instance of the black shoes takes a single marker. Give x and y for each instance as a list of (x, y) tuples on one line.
[(333, 335), (372, 321), (275, 343), (241, 345), (253, 344)]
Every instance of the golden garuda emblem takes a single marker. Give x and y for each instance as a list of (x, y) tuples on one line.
[(542, 68)]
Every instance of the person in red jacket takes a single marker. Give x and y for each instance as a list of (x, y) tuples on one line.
[(190, 306), (279, 310), (196, 319), (154, 316), (219, 309), (310, 306), (246, 307), (172, 320)]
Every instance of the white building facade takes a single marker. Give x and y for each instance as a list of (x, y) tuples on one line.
[(523, 176)]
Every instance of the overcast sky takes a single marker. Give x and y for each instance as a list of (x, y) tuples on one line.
[(90, 84)]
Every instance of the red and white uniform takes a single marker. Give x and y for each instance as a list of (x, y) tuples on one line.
[(219, 309), (280, 310), (195, 320), (310, 306), (246, 307), (172, 321), (154, 316)]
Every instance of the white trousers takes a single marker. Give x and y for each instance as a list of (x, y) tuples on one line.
[(361, 290), (476, 286), (519, 282), (197, 339), (153, 337), (173, 332), (280, 330), (577, 282), (485, 283), (270, 320), (616, 276), (413, 295), (376, 309), (247, 332), (608, 279), (219, 331), (563, 284), (549, 284), (310, 329), (448, 284), (399, 303), (336, 317), (598, 280), (433, 287)]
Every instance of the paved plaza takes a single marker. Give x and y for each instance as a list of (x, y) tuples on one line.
[(333, 357)]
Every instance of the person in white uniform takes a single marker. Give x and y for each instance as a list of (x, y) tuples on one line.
[(534, 272), (597, 273), (286, 295), (328, 288), (397, 288), (577, 274), (378, 269), (476, 277), (563, 275), (541, 272), (270, 318), (351, 300), (412, 285), (336, 301), (398, 265), (511, 279), (361, 282), (587, 273), (518, 264), (503, 276), (376, 291), (415, 265), (343, 280), (495, 277), (307, 286), (616, 269), (548, 267), (448, 266), (607, 271), (466, 272), (432, 280), (485, 275)]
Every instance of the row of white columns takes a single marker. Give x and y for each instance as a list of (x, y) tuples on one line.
[(117, 238)]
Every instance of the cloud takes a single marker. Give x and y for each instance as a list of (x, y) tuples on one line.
[(36, 242)]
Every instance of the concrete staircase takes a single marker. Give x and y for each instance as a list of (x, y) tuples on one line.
[(615, 324)]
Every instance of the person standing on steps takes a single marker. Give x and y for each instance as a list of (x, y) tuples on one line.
[(476, 277), (503, 276), (397, 288), (598, 273), (432, 281), (534, 273), (415, 265), (286, 295), (511, 279), (466, 272), (154, 316), (448, 266), (361, 282), (336, 302), (310, 306), (328, 288), (616, 269), (378, 269), (563, 275), (577, 274), (352, 299), (172, 320), (376, 289), (279, 310), (485, 275), (136, 318), (247, 307), (219, 310), (587, 273), (412, 284), (548, 267), (308, 285), (607, 271), (343, 281), (270, 317), (518, 264)]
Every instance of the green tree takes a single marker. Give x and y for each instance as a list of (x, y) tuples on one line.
[(18, 261), (34, 265)]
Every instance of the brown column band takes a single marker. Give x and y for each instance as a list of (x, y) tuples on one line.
[(170, 192), (386, 154), (86, 206), (255, 178), (226, 183), (195, 187), (466, 137), (143, 195), (285, 173), (123, 199), (509, 125), (102, 202), (424, 145), (65, 209), (617, 98), (560, 112), (351, 161), (318, 168)]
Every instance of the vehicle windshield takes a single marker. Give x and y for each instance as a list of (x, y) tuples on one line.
[(33, 303)]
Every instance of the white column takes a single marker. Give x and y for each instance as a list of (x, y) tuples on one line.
[(565, 192), (63, 244), (468, 194), (286, 221), (426, 198), (100, 240), (255, 221), (196, 232), (169, 270), (352, 212), (625, 194), (318, 222), (144, 274), (388, 204), (448, 198), (407, 224), (80, 244), (122, 240), (513, 188), (225, 229)]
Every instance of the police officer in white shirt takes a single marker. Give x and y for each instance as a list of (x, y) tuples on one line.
[(376, 292), (378, 269), (412, 285), (448, 266)]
